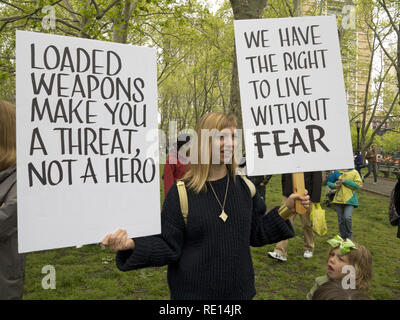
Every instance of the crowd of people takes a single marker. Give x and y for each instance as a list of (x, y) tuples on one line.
[(208, 249)]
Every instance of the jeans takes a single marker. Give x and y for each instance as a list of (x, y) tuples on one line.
[(371, 167), (345, 213)]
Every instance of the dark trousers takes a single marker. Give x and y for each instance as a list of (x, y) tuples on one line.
[(358, 168), (372, 167)]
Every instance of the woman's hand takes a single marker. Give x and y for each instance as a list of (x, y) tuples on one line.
[(305, 201), (118, 241)]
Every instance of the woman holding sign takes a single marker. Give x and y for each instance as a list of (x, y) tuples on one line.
[(12, 264), (208, 251)]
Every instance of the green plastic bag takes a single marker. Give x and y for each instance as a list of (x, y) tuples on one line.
[(317, 218)]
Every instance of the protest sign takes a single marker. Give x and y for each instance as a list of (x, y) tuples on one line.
[(294, 109), (85, 112)]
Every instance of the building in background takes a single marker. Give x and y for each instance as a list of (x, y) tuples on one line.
[(355, 50)]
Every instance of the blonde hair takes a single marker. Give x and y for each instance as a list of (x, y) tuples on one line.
[(197, 174), (361, 260), (7, 135)]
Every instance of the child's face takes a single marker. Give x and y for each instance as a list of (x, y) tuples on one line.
[(335, 264)]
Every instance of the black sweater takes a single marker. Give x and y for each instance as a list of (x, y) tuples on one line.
[(208, 258)]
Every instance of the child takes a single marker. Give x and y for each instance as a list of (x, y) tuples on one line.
[(333, 290), (346, 253), (346, 182)]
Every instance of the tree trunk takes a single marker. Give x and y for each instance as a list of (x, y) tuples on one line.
[(242, 9), (120, 28), (298, 8)]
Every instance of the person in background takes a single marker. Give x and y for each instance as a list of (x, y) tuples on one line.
[(358, 161), (261, 182), (174, 169), (397, 202), (346, 182), (313, 183), (394, 205), (12, 264), (371, 157)]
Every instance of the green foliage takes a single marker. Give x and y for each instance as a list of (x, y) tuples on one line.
[(195, 47), (368, 136), (390, 142)]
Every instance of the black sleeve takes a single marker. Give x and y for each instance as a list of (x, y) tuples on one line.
[(396, 196), (161, 249), (268, 228)]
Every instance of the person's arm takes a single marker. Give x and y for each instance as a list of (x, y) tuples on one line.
[(158, 250), (332, 179), (355, 184), (273, 226), (8, 214)]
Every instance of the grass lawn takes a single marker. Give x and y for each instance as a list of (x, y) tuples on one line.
[(90, 273)]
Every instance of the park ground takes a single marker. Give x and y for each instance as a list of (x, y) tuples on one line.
[(91, 273)]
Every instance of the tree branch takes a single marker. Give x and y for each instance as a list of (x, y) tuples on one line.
[(290, 8), (17, 18), (381, 43), (383, 4), (71, 10), (104, 11), (12, 5)]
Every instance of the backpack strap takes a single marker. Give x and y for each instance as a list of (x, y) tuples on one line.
[(183, 199), (250, 185)]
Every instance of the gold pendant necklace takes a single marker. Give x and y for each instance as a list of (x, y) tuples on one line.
[(223, 214)]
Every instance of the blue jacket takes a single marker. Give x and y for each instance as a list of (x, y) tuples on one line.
[(358, 161)]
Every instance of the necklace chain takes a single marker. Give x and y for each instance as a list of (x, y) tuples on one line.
[(223, 215)]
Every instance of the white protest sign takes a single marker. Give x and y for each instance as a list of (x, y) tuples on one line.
[(292, 95), (85, 112)]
